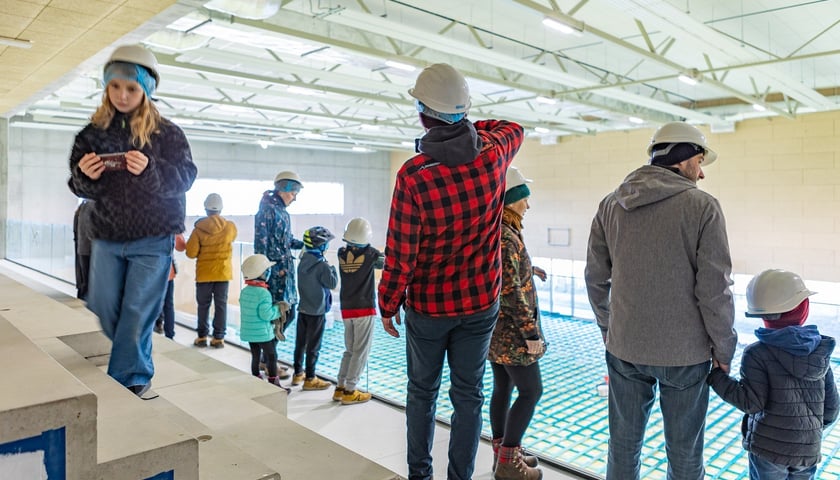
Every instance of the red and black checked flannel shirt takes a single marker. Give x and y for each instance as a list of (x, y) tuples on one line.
[(442, 254)]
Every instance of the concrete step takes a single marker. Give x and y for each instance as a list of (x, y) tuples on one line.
[(239, 421), (133, 441), (43, 404)]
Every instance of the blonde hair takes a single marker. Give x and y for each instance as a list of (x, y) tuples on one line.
[(145, 120)]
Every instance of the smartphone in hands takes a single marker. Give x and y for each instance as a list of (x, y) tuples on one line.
[(113, 161)]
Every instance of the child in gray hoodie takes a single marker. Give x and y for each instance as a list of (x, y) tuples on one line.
[(316, 277)]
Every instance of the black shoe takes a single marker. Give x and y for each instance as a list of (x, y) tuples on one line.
[(158, 327), (143, 391)]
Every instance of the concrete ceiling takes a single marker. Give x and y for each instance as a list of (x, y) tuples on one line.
[(316, 73), (64, 35)]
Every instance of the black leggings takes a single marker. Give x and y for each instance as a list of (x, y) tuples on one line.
[(510, 422), (269, 351)]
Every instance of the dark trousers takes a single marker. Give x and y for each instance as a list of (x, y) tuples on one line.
[(269, 352), (167, 316), (290, 317), (309, 333), (507, 421), (82, 275), (217, 293)]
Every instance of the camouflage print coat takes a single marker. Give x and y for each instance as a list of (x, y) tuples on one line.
[(519, 314), (273, 238)]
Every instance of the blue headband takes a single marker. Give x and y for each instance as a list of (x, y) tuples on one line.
[(449, 118), (286, 185), (133, 73)]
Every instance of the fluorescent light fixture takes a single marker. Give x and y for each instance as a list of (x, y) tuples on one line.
[(304, 91), (560, 26), (234, 108), (759, 108), (545, 100), (636, 120), (408, 144), (264, 143), (313, 135), (176, 40), (15, 42), (687, 80), (400, 66), (252, 9), (361, 149), (541, 130), (45, 126), (366, 126), (182, 121)]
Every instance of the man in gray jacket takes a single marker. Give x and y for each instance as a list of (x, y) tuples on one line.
[(658, 277)]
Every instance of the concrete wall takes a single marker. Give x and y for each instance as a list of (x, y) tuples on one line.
[(37, 190), (778, 182)]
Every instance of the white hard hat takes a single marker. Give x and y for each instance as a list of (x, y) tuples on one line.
[(213, 202), (288, 175), (775, 292), (358, 231), (681, 132), (442, 88), (139, 55), (514, 178), (255, 265)]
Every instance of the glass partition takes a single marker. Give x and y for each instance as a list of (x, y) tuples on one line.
[(570, 425)]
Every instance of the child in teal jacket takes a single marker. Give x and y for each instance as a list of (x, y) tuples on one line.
[(257, 311)]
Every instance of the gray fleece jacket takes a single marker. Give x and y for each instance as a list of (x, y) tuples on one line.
[(658, 272)]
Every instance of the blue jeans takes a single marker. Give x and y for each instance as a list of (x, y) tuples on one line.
[(464, 342), (684, 400), (761, 469), (127, 286), (216, 293)]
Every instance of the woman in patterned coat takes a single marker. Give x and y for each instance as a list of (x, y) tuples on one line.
[(517, 342)]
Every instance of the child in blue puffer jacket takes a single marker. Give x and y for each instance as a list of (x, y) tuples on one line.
[(257, 312), (787, 388)]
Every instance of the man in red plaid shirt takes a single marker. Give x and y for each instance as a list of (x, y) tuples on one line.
[(443, 263)]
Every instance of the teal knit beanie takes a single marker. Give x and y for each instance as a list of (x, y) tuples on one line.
[(517, 193)]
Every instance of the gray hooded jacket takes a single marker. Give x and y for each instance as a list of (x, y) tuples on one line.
[(658, 272)]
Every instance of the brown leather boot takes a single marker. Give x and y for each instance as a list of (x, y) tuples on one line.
[(530, 460), (515, 469)]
